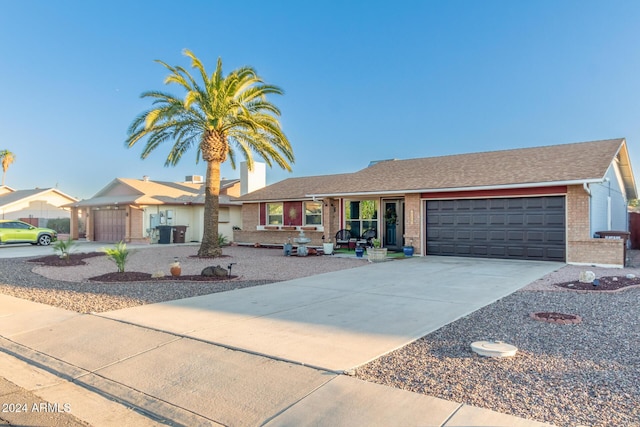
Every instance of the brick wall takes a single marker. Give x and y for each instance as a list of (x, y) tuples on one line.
[(251, 220), (412, 221), (250, 217), (581, 247), (275, 237), (136, 232)]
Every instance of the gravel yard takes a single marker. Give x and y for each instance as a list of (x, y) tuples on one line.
[(569, 375), (69, 287), (585, 374)]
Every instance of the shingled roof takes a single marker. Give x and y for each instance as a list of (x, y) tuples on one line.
[(565, 164), (147, 192)]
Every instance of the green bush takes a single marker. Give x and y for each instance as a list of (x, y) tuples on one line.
[(222, 240), (61, 225), (63, 248), (118, 254)]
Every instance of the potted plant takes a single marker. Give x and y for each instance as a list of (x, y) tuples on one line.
[(377, 252), (408, 249), (327, 246)]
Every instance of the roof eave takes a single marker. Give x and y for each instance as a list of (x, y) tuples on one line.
[(451, 189)]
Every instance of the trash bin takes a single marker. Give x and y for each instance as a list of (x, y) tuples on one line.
[(178, 233), (165, 234), (622, 235)]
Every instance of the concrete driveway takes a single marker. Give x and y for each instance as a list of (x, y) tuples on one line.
[(340, 320), (161, 359)]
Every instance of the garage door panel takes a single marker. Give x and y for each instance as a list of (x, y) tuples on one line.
[(498, 235), (463, 220), (557, 220), (480, 219), (515, 219), (555, 253), (555, 236), (515, 235), (535, 236), (518, 228), (497, 203), (479, 250), (479, 204), (480, 235), (497, 251), (554, 203), (535, 219), (463, 249), (497, 219), (463, 235), (534, 203)]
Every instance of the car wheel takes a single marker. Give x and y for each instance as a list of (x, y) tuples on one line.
[(44, 240)]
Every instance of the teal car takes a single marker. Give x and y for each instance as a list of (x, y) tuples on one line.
[(14, 231)]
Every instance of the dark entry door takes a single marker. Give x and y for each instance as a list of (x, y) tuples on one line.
[(392, 223), (531, 228)]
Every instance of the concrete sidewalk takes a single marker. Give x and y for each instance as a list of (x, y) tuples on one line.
[(265, 355)]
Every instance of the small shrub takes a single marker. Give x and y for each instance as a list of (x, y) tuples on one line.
[(118, 254), (222, 240), (376, 243), (63, 248), (61, 225)]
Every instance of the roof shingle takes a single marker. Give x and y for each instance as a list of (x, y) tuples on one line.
[(548, 165)]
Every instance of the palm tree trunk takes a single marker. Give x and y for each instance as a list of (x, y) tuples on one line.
[(210, 246)]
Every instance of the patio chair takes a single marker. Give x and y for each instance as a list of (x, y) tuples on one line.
[(369, 235), (342, 237)]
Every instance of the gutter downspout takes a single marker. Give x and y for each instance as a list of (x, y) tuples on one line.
[(586, 188)]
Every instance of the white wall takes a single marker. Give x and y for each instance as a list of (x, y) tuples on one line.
[(193, 218), (48, 208), (611, 192)]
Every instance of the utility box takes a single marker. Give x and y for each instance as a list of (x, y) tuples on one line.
[(165, 234), (179, 232)]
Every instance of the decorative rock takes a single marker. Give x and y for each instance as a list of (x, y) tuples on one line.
[(216, 271), (157, 274), (494, 348), (615, 279), (630, 276), (587, 276)]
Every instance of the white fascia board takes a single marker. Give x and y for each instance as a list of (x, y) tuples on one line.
[(451, 189)]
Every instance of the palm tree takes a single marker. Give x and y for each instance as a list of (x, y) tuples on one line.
[(6, 158), (218, 116)]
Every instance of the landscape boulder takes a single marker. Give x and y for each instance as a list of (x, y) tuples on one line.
[(216, 271), (587, 276)]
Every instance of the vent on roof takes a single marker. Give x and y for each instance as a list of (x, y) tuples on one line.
[(194, 178), (373, 162), (145, 178)]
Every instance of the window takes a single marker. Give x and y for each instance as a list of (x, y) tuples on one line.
[(274, 213), (312, 213), (361, 215)]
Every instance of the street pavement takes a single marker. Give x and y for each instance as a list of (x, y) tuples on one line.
[(270, 355)]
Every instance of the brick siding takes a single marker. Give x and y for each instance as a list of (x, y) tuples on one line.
[(413, 222), (582, 248)]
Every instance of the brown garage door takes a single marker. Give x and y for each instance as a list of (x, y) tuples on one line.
[(109, 225), (531, 228)]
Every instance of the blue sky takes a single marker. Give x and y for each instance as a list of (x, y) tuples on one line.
[(363, 80)]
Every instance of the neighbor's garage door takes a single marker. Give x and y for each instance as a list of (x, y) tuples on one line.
[(109, 225), (531, 228)]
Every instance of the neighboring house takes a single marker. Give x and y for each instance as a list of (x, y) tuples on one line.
[(36, 206), (542, 203), (131, 210)]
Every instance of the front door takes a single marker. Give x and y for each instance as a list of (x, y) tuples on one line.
[(392, 223)]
